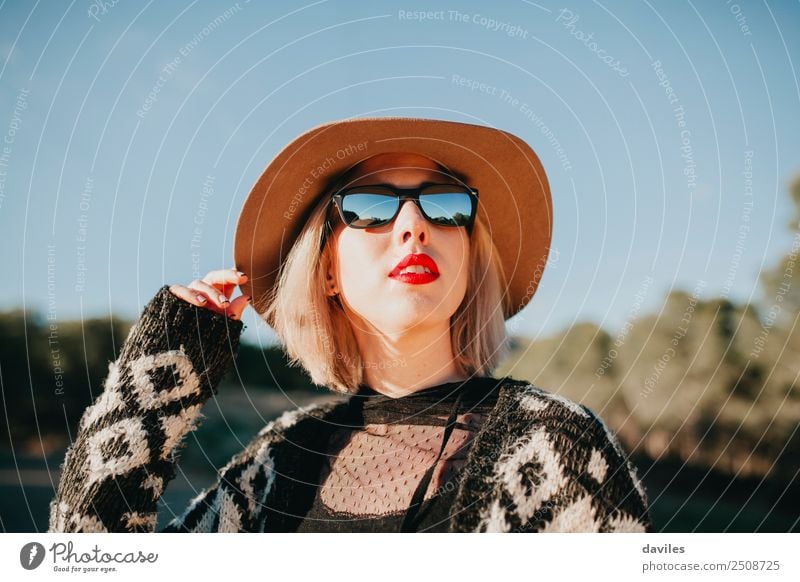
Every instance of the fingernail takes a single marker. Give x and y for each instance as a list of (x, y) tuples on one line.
[(224, 299), (201, 299)]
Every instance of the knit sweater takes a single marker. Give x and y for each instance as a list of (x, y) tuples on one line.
[(539, 463)]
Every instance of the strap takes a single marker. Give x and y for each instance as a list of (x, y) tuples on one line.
[(411, 518)]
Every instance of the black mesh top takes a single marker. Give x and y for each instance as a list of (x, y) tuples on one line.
[(376, 469), (434, 515)]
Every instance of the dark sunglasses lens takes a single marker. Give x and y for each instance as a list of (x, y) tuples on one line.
[(364, 210), (453, 208)]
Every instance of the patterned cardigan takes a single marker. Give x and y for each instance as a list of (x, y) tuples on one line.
[(539, 463)]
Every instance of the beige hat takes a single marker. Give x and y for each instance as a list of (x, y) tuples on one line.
[(514, 195)]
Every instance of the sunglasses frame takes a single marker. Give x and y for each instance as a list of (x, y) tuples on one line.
[(403, 194)]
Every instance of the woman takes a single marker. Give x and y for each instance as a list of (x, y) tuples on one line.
[(410, 242)]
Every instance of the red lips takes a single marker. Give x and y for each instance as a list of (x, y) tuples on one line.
[(416, 278)]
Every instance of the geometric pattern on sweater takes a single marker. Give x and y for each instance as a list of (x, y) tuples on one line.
[(539, 462), (238, 501), (128, 440), (559, 469), (556, 473), (561, 472)]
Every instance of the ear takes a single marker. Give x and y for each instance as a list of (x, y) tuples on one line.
[(330, 282)]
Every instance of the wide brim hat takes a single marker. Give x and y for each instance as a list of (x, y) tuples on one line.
[(513, 193)]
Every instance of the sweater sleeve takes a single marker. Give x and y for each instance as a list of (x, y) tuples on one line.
[(127, 443), (594, 485)]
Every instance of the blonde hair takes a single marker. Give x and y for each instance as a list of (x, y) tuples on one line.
[(315, 331)]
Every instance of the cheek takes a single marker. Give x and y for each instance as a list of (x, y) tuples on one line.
[(359, 261)]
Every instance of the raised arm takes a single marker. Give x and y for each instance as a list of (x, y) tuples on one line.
[(126, 447)]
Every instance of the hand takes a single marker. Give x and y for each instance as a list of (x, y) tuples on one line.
[(213, 292)]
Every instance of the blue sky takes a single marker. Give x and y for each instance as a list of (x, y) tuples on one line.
[(105, 185)]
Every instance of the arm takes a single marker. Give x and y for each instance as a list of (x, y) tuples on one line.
[(126, 447)]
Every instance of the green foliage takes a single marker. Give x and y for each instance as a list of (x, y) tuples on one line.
[(267, 367), (781, 284), (52, 370), (689, 389)]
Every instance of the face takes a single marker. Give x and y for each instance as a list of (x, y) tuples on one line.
[(365, 260)]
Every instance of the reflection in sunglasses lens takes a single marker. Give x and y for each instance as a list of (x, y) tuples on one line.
[(442, 205)]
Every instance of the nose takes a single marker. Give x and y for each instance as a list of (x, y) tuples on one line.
[(411, 223)]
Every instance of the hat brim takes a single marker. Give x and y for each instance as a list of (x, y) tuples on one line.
[(514, 193)]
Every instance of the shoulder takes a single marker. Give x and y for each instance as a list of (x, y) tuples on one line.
[(576, 437), (531, 405), (290, 427), (534, 402), (237, 501)]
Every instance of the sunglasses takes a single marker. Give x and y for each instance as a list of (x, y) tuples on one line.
[(372, 206)]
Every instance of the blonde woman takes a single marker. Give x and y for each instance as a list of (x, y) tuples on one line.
[(386, 254)]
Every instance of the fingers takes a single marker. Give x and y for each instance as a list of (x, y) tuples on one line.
[(189, 295), (215, 297), (213, 292), (237, 306), (233, 309), (225, 280)]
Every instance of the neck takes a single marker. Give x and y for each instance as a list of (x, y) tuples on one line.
[(401, 364)]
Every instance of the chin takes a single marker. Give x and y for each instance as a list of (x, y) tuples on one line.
[(412, 322)]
